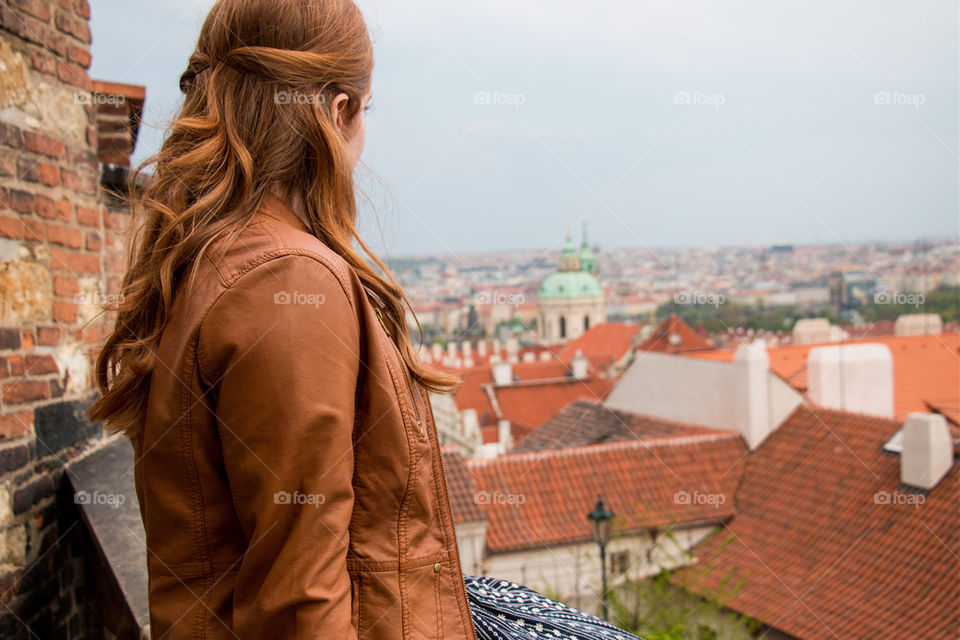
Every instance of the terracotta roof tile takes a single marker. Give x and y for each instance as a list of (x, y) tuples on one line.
[(539, 499), (534, 404), (460, 487), (602, 344), (585, 422), (675, 336), (812, 553)]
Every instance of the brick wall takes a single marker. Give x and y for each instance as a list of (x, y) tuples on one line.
[(60, 254)]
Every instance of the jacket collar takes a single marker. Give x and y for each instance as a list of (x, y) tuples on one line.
[(276, 208)]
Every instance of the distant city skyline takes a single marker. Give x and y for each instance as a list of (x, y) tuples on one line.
[(663, 126)]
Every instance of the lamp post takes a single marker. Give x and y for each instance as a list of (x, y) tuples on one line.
[(600, 519)]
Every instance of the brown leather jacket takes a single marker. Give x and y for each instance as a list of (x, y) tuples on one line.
[(289, 475)]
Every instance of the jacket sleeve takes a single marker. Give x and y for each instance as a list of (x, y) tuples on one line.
[(280, 352)]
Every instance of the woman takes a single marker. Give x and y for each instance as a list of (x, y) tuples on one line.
[(287, 465)]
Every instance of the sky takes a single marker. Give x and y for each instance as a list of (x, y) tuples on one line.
[(497, 124)]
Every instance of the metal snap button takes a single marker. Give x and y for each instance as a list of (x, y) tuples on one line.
[(423, 432), (437, 568)]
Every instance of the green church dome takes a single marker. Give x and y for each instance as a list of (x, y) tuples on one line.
[(570, 284)]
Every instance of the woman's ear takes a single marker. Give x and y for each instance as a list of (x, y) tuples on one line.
[(337, 109)]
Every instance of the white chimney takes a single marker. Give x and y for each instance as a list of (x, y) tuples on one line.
[(437, 351), (470, 423), (452, 349), (467, 349), (545, 356), (852, 377), (482, 349), (504, 435), (529, 356), (495, 346), (513, 348), (751, 397), (927, 450), (502, 374), (579, 366), (918, 324), (812, 331)]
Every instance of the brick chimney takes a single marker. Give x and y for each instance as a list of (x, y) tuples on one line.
[(118, 110), (927, 450)]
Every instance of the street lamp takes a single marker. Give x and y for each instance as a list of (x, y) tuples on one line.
[(600, 519)]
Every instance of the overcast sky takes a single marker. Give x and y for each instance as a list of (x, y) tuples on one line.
[(497, 122)]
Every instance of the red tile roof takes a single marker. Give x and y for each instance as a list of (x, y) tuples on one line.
[(924, 368), (585, 422), (541, 499), (460, 487), (810, 551), (675, 336), (535, 403), (602, 344)]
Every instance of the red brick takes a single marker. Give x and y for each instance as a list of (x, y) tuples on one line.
[(82, 7), (34, 230), (16, 425), (113, 220), (65, 312), (26, 339), (66, 286), (74, 261), (88, 217), (8, 165), (64, 235), (40, 143), (9, 338), (35, 8), (19, 201), (78, 182), (18, 365), (48, 336), (73, 74), (44, 63), (49, 174), (73, 25), (11, 136), (44, 207), (79, 55), (25, 391), (65, 210), (10, 227), (93, 241), (40, 364), (4, 368)]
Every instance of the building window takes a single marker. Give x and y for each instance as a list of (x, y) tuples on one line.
[(619, 562), (586, 323), (563, 327)]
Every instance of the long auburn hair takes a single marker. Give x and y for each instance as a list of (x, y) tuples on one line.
[(238, 136)]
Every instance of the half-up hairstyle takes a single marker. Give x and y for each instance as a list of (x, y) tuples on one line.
[(234, 141)]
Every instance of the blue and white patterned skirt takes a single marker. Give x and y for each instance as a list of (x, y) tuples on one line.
[(504, 610)]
